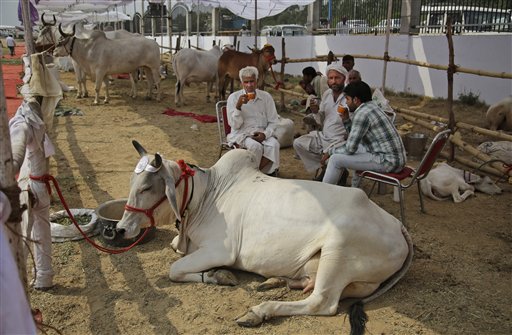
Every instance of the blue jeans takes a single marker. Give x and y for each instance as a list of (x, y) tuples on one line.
[(360, 160)]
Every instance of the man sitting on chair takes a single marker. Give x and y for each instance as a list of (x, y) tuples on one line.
[(373, 142), (253, 118)]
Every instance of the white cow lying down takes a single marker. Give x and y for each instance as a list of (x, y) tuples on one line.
[(330, 239), (444, 180)]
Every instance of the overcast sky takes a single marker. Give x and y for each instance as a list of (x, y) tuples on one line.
[(9, 10)]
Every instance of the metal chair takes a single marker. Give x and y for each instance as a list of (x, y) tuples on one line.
[(223, 126), (421, 172)]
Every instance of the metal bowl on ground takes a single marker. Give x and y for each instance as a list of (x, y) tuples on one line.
[(415, 145), (109, 214)]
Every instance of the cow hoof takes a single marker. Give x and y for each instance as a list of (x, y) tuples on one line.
[(250, 319), (271, 283), (225, 277)]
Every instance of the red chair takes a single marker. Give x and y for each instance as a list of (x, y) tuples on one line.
[(223, 126), (421, 172)]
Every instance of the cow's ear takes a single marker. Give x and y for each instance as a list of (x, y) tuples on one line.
[(170, 189), (142, 152)]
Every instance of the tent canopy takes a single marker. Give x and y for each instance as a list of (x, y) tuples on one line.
[(246, 8), (67, 11)]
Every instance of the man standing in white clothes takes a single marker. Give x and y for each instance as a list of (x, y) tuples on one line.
[(31, 149)]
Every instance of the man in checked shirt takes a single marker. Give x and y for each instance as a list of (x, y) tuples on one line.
[(373, 142)]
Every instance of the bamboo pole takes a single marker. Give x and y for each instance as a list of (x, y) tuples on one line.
[(283, 45), (9, 186), (459, 69), (296, 94), (423, 123), (451, 70), (479, 130), (456, 139), (474, 165)]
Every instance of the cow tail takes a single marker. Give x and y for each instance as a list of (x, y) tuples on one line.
[(357, 315), (357, 318), (178, 81), (178, 87)]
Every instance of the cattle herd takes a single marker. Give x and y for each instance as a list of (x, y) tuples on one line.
[(325, 242), (97, 54)]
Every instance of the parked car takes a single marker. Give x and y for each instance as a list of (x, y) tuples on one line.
[(358, 26), (266, 31), (284, 30), (381, 27)]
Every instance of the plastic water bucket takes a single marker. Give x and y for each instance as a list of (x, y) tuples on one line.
[(415, 145)]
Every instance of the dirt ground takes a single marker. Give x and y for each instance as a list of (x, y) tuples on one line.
[(459, 283)]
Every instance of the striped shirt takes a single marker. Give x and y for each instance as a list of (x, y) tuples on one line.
[(372, 128)]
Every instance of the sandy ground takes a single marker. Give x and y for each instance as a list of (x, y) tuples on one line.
[(459, 283)]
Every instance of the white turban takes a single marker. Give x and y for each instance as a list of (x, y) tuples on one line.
[(338, 68)]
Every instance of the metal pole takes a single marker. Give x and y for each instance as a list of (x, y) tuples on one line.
[(197, 19), (256, 24), (386, 48)]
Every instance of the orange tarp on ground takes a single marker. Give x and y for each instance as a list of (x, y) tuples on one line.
[(12, 77)]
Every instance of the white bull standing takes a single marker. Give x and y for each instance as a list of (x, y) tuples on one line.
[(331, 239), (195, 66), (99, 56)]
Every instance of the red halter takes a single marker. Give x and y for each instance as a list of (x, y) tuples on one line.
[(186, 172)]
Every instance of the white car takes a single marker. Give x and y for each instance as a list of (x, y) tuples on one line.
[(381, 27), (358, 26), (354, 27), (284, 30)]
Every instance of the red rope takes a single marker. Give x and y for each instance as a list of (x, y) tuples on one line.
[(278, 83), (46, 179), (186, 172)]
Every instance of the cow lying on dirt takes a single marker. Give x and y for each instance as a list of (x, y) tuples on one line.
[(444, 180), (315, 236)]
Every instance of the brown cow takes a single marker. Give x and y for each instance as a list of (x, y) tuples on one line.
[(232, 61)]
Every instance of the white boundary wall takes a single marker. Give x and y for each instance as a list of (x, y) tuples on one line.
[(484, 52)]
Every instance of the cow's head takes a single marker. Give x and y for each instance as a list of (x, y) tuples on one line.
[(47, 38), (268, 53), (152, 182), (64, 46), (487, 186)]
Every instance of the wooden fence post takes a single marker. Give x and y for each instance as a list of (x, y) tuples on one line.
[(9, 187)]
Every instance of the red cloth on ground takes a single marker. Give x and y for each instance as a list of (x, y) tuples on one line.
[(199, 117)]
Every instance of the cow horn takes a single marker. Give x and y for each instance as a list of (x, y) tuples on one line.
[(46, 23), (62, 33), (65, 34), (140, 149), (157, 162)]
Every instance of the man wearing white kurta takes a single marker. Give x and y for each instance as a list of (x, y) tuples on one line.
[(253, 118), (310, 147), (31, 149)]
